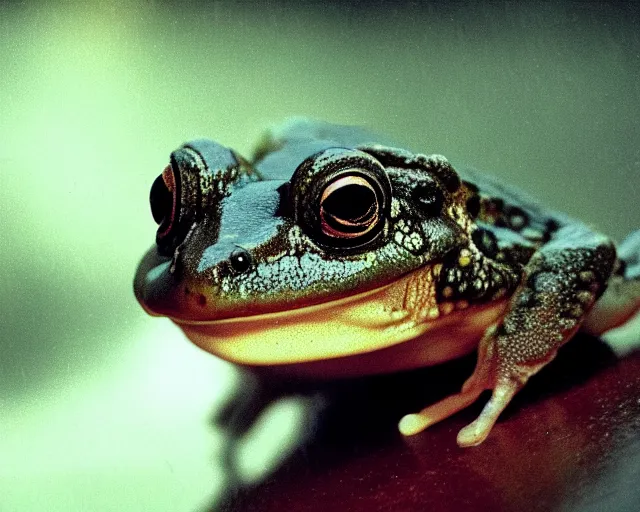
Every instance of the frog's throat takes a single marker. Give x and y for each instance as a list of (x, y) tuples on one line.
[(372, 329)]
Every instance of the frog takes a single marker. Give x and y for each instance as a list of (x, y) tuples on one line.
[(334, 253)]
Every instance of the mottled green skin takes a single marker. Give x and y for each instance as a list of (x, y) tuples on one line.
[(433, 214), (289, 267), (243, 238)]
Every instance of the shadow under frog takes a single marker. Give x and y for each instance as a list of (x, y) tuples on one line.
[(355, 418)]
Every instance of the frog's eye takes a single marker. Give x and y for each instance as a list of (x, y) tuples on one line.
[(341, 198), (163, 200), (349, 207)]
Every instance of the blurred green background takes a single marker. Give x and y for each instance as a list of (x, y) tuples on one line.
[(104, 408)]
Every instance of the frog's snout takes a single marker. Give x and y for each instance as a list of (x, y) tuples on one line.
[(173, 287), (163, 293)]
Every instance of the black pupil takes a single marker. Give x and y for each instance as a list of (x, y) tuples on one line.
[(240, 260), (352, 203), (161, 200)]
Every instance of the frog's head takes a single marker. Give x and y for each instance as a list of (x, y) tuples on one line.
[(255, 270)]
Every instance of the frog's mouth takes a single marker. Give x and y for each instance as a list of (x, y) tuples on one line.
[(359, 334), (371, 326), (162, 291)]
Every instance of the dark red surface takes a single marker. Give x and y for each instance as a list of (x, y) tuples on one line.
[(571, 441)]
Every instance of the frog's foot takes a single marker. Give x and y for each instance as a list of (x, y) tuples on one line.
[(560, 285), (486, 376)]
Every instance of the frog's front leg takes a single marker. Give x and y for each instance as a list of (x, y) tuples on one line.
[(561, 282)]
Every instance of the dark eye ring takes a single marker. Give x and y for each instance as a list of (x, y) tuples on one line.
[(163, 201), (341, 198), (349, 207)]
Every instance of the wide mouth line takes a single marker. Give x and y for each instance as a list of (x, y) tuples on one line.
[(288, 314), (448, 319)]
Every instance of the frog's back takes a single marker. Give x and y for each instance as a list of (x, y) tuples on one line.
[(518, 217)]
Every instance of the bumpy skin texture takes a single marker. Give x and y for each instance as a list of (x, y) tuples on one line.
[(560, 284), (249, 238), (558, 269)]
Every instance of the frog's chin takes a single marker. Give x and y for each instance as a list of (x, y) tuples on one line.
[(373, 332)]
